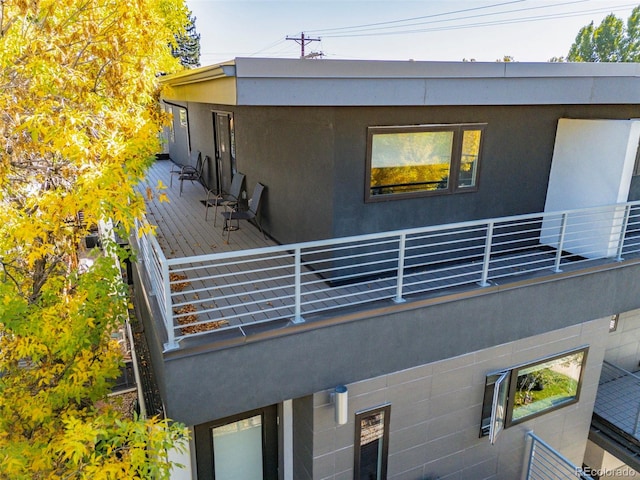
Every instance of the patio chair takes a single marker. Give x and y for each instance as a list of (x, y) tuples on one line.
[(225, 199), (251, 214), (178, 168), (191, 173)]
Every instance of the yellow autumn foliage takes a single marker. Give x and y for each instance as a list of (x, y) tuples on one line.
[(79, 125)]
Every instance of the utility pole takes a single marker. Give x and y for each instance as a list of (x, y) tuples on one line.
[(302, 41)]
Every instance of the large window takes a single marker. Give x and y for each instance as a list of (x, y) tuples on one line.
[(526, 391), (372, 444), (408, 161)]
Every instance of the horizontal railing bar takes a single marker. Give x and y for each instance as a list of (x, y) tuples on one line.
[(229, 285), (365, 237), (441, 279), (224, 297), (232, 307), (369, 291), (221, 265), (347, 245)]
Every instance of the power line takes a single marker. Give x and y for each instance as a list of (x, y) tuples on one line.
[(359, 30), (478, 24), (321, 32), (356, 31), (274, 44)]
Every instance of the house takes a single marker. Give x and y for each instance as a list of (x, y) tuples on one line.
[(447, 245)]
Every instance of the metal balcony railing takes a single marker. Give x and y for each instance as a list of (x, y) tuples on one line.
[(546, 463), (287, 283), (618, 399)]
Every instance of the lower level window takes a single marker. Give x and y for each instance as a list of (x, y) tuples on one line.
[(372, 444), (526, 391)]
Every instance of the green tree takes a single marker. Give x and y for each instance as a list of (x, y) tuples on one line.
[(611, 41), (187, 49), (79, 124)]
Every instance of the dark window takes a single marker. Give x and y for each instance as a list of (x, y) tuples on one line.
[(372, 444), (409, 161)]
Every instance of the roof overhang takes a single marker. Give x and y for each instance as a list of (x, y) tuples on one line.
[(304, 82)]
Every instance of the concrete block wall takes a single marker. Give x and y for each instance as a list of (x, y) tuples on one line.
[(623, 345), (436, 410)]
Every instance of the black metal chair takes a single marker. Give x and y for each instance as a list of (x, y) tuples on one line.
[(192, 173), (251, 214), (225, 199), (179, 168)]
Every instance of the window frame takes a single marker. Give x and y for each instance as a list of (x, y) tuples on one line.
[(514, 379), (488, 424), (457, 129), (357, 447)]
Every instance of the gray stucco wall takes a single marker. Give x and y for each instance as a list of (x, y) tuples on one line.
[(205, 384), (292, 151), (436, 409), (514, 169), (312, 160)]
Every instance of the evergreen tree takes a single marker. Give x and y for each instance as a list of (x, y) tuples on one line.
[(187, 49)]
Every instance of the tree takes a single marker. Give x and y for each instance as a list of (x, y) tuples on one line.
[(187, 49), (79, 124), (611, 41)]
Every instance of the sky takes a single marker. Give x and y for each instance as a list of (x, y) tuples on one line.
[(421, 30)]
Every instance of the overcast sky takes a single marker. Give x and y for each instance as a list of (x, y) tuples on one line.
[(450, 30)]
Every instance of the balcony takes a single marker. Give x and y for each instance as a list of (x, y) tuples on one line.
[(616, 414), (210, 291)]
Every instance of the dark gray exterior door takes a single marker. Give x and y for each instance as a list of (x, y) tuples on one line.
[(225, 148)]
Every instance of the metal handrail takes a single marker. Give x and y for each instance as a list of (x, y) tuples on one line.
[(611, 373), (236, 289), (546, 463)]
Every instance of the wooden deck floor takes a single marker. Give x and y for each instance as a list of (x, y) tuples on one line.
[(182, 229)]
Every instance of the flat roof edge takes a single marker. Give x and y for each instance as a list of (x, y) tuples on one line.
[(202, 74)]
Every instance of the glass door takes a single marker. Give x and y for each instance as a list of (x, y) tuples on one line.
[(242, 447), (237, 449), (224, 137)]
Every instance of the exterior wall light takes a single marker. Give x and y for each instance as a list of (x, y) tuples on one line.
[(340, 400)]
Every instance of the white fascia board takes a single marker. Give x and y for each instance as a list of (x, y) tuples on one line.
[(299, 82), (202, 74), (304, 82)]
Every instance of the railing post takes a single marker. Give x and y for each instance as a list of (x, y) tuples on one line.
[(168, 309), (532, 452), (623, 231), (487, 256), (563, 229), (635, 427), (401, 251), (297, 317)]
